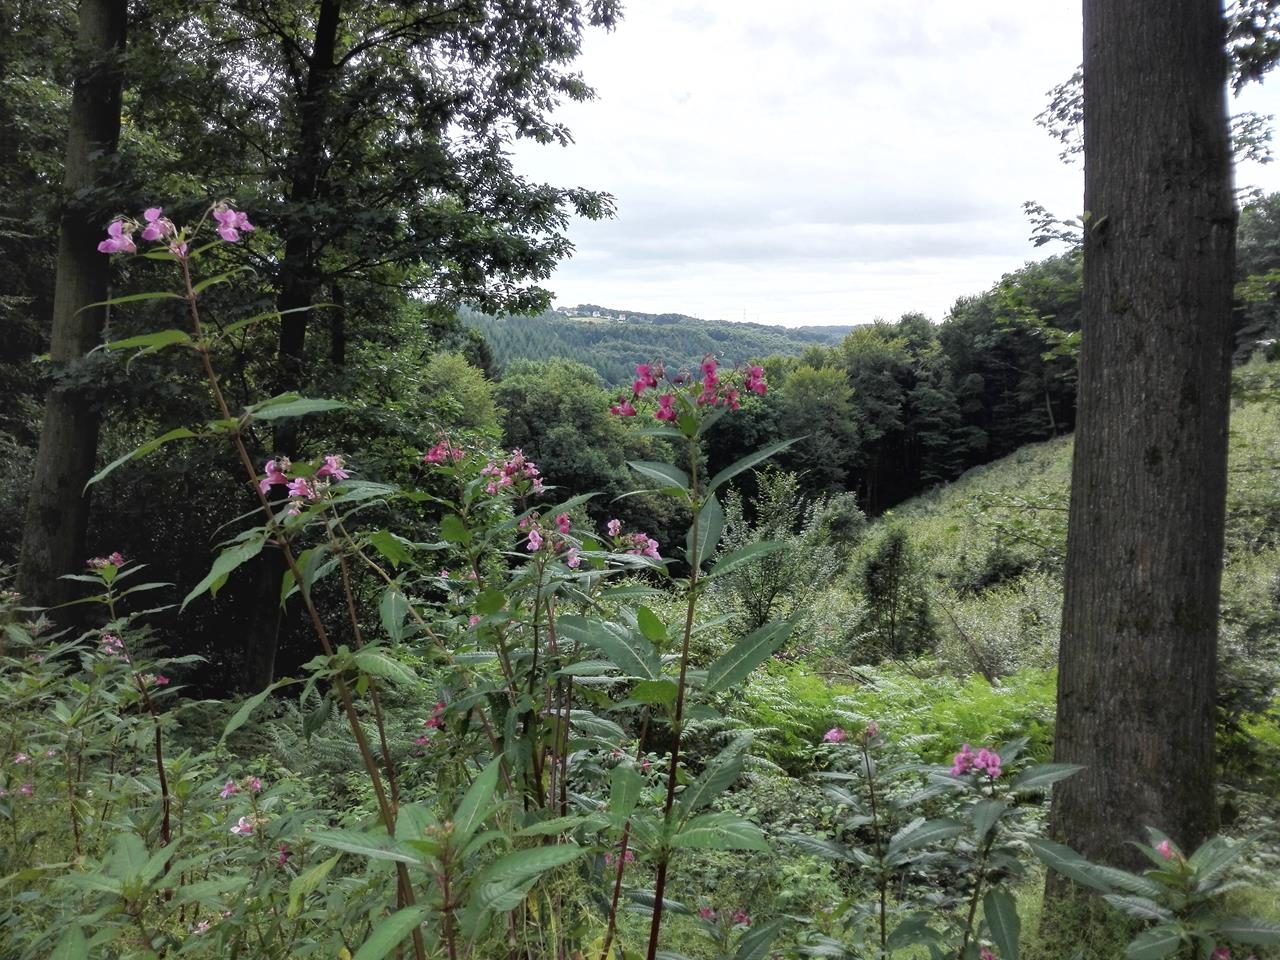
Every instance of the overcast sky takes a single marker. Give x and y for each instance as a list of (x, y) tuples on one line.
[(818, 161)]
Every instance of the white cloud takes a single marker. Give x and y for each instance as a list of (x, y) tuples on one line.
[(821, 161)]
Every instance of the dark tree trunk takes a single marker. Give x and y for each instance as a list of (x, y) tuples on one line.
[(299, 281), (1137, 674), (53, 535)]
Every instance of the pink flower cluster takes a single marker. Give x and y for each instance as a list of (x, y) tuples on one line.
[(433, 722), (513, 473), (711, 391), (231, 788), (639, 544), (115, 560), (112, 646), (628, 857), (156, 226), (835, 735), (443, 452), (984, 761), (740, 917), (25, 790), (538, 537), (303, 489)]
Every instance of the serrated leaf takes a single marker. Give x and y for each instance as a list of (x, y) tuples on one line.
[(920, 833), (736, 663), (379, 663), (181, 433), (154, 341), (391, 932), (662, 692), (391, 548), (1256, 933), (719, 831), (742, 556), (502, 884), (665, 473), (133, 298), (746, 463), (1140, 907), (475, 802), (1213, 857), (654, 630), (984, 814), (710, 528), (1044, 774), (240, 716), (625, 784), (306, 883), (625, 648), (1067, 862), (454, 529), (721, 773), (1002, 921), (372, 845), (755, 943), (1154, 944), (72, 945), (392, 609), (223, 564), (294, 408)]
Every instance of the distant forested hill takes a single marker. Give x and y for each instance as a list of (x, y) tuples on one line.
[(614, 341)]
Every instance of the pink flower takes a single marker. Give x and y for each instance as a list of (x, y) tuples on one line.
[(115, 560), (872, 731), (642, 545), (535, 541), (623, 408), (436, 721), (1165, 849), (158, 226), (21, 757), (302, 488), (333, 468), (706, 913), (283, 855), (755, 380), (614, 527), (443, 452), (118, 239), (573, 560), (228, 789), (160, 680), (231, 223), (962, 763), (835, 735), (473, 620), (644, 378), (985, 954), (742, 917), (178, 249), (731, 399), (1222, 953), (200, 928), (275, 470), (988, 761), (27, 789), (254, 784), (645, 764), (562, 522), (243, 827), (709, 368), (665, 409)]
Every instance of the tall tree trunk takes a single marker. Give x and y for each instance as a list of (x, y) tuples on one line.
[(53, 536), (299, 282), (1137, 678)]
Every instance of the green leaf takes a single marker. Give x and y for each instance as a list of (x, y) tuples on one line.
[(503, 883), (154, 341), (391, 548), (664, 473), (293, 408), (710, 527), (721, 773), (71, 946), (654, 630), (625, 648), (736, 663), (454, 529), (1068, 863), (253, 703), (378, 663), (155, 443), (747, 462), (920, 833), (755, 943), (1258, 933), (208, 282), (827, 849), (1002, 920), (392, 609), (625, 784), (984, 815), (1118, 879), (1212, 858), (372, 845), (391, 932), (490, 602), (306, 883), (133, 298), (662, 692), (1140, 907), (1044, 774), (1155, 944), (742, 556), (226, 561), (720, 831), (475, 803)]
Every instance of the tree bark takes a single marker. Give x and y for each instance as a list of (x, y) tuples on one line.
[(53, 536), (1137, 679)]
